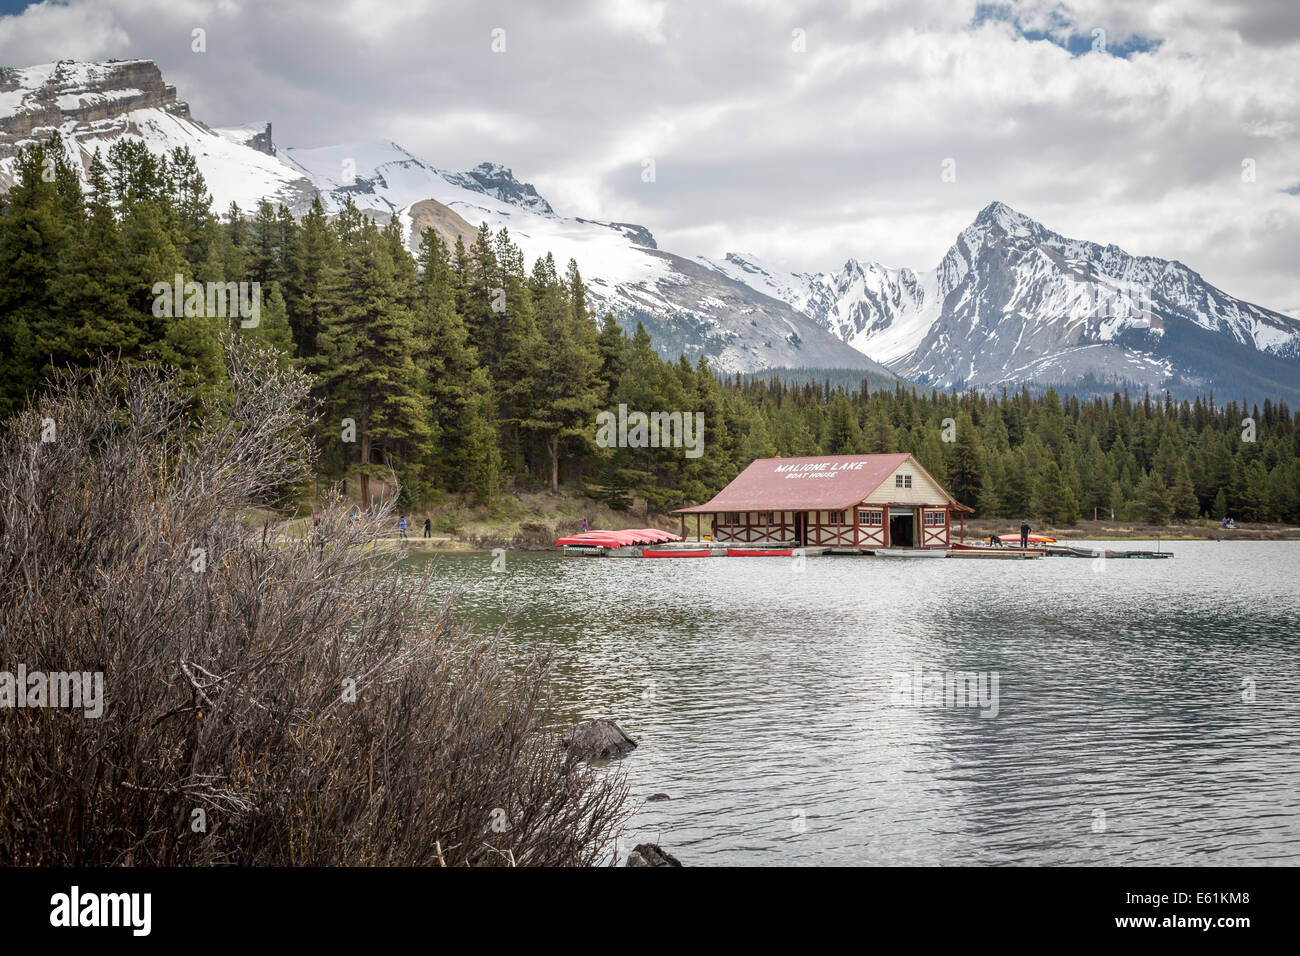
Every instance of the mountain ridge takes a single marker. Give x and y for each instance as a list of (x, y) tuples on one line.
[(1011, 302), (92, 105)]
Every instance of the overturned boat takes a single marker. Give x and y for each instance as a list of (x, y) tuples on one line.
[(1106, 553), (600, 543)]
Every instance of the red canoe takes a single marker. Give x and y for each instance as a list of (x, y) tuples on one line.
[(618, 539), (770, 553), (655, 536), (676, 554)]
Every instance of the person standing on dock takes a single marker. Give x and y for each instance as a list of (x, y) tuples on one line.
[(1024, 532)]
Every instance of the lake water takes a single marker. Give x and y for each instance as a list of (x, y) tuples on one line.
[(1147, 712)]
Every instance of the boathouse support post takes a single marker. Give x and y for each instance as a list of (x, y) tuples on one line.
[(699, 535), (683, 527)]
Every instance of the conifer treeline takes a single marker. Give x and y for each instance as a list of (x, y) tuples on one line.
[(467, 372)]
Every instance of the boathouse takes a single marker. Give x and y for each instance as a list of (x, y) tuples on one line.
[(838, 501)]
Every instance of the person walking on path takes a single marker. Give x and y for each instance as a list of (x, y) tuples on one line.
[(428, 526), (1024, 533), (585, 526), (401, 527)]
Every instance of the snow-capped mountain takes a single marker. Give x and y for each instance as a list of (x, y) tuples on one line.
[(1014, 303), (686, 308), (93, 104), (1011, 302)]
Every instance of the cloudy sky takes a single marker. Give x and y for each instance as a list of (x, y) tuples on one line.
[(805, 133)]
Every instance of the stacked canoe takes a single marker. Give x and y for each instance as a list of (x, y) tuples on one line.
[(602, 542)]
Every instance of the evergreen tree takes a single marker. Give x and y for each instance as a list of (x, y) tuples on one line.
[(1049, 495), (966, 462), (1183, 498), (563, 410), (366, 364), (459, 429), (35, 236), (314, 261), (1156, 502)]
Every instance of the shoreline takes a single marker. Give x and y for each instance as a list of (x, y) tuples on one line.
[(1133, 531), (531, 522), (1169, 533)]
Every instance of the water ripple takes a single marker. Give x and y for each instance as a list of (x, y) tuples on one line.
[(1147, 711)]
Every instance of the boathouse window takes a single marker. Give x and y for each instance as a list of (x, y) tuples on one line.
[(870, 517), (935, 518), (902, 481)]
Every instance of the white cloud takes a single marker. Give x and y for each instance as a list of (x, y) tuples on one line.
[(644, 18)]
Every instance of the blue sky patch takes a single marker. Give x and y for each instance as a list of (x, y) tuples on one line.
[(1063, 31), (12, 7)]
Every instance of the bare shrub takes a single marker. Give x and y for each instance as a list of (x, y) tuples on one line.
[(267, 701)]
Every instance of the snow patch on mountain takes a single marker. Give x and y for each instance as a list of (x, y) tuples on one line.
[(1012, 302)]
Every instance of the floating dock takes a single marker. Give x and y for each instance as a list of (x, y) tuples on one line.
[(1008, 554), (653, 543)]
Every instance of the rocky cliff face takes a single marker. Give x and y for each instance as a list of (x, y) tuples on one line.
[(495, 180), (86, 99), (93, 105), (262, 141)]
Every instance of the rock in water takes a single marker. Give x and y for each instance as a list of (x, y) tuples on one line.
[(651, 854), (597, 740)]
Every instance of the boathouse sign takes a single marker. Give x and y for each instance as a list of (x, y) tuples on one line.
[(819, 469)]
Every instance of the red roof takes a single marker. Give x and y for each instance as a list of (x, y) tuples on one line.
[(826, 483)]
